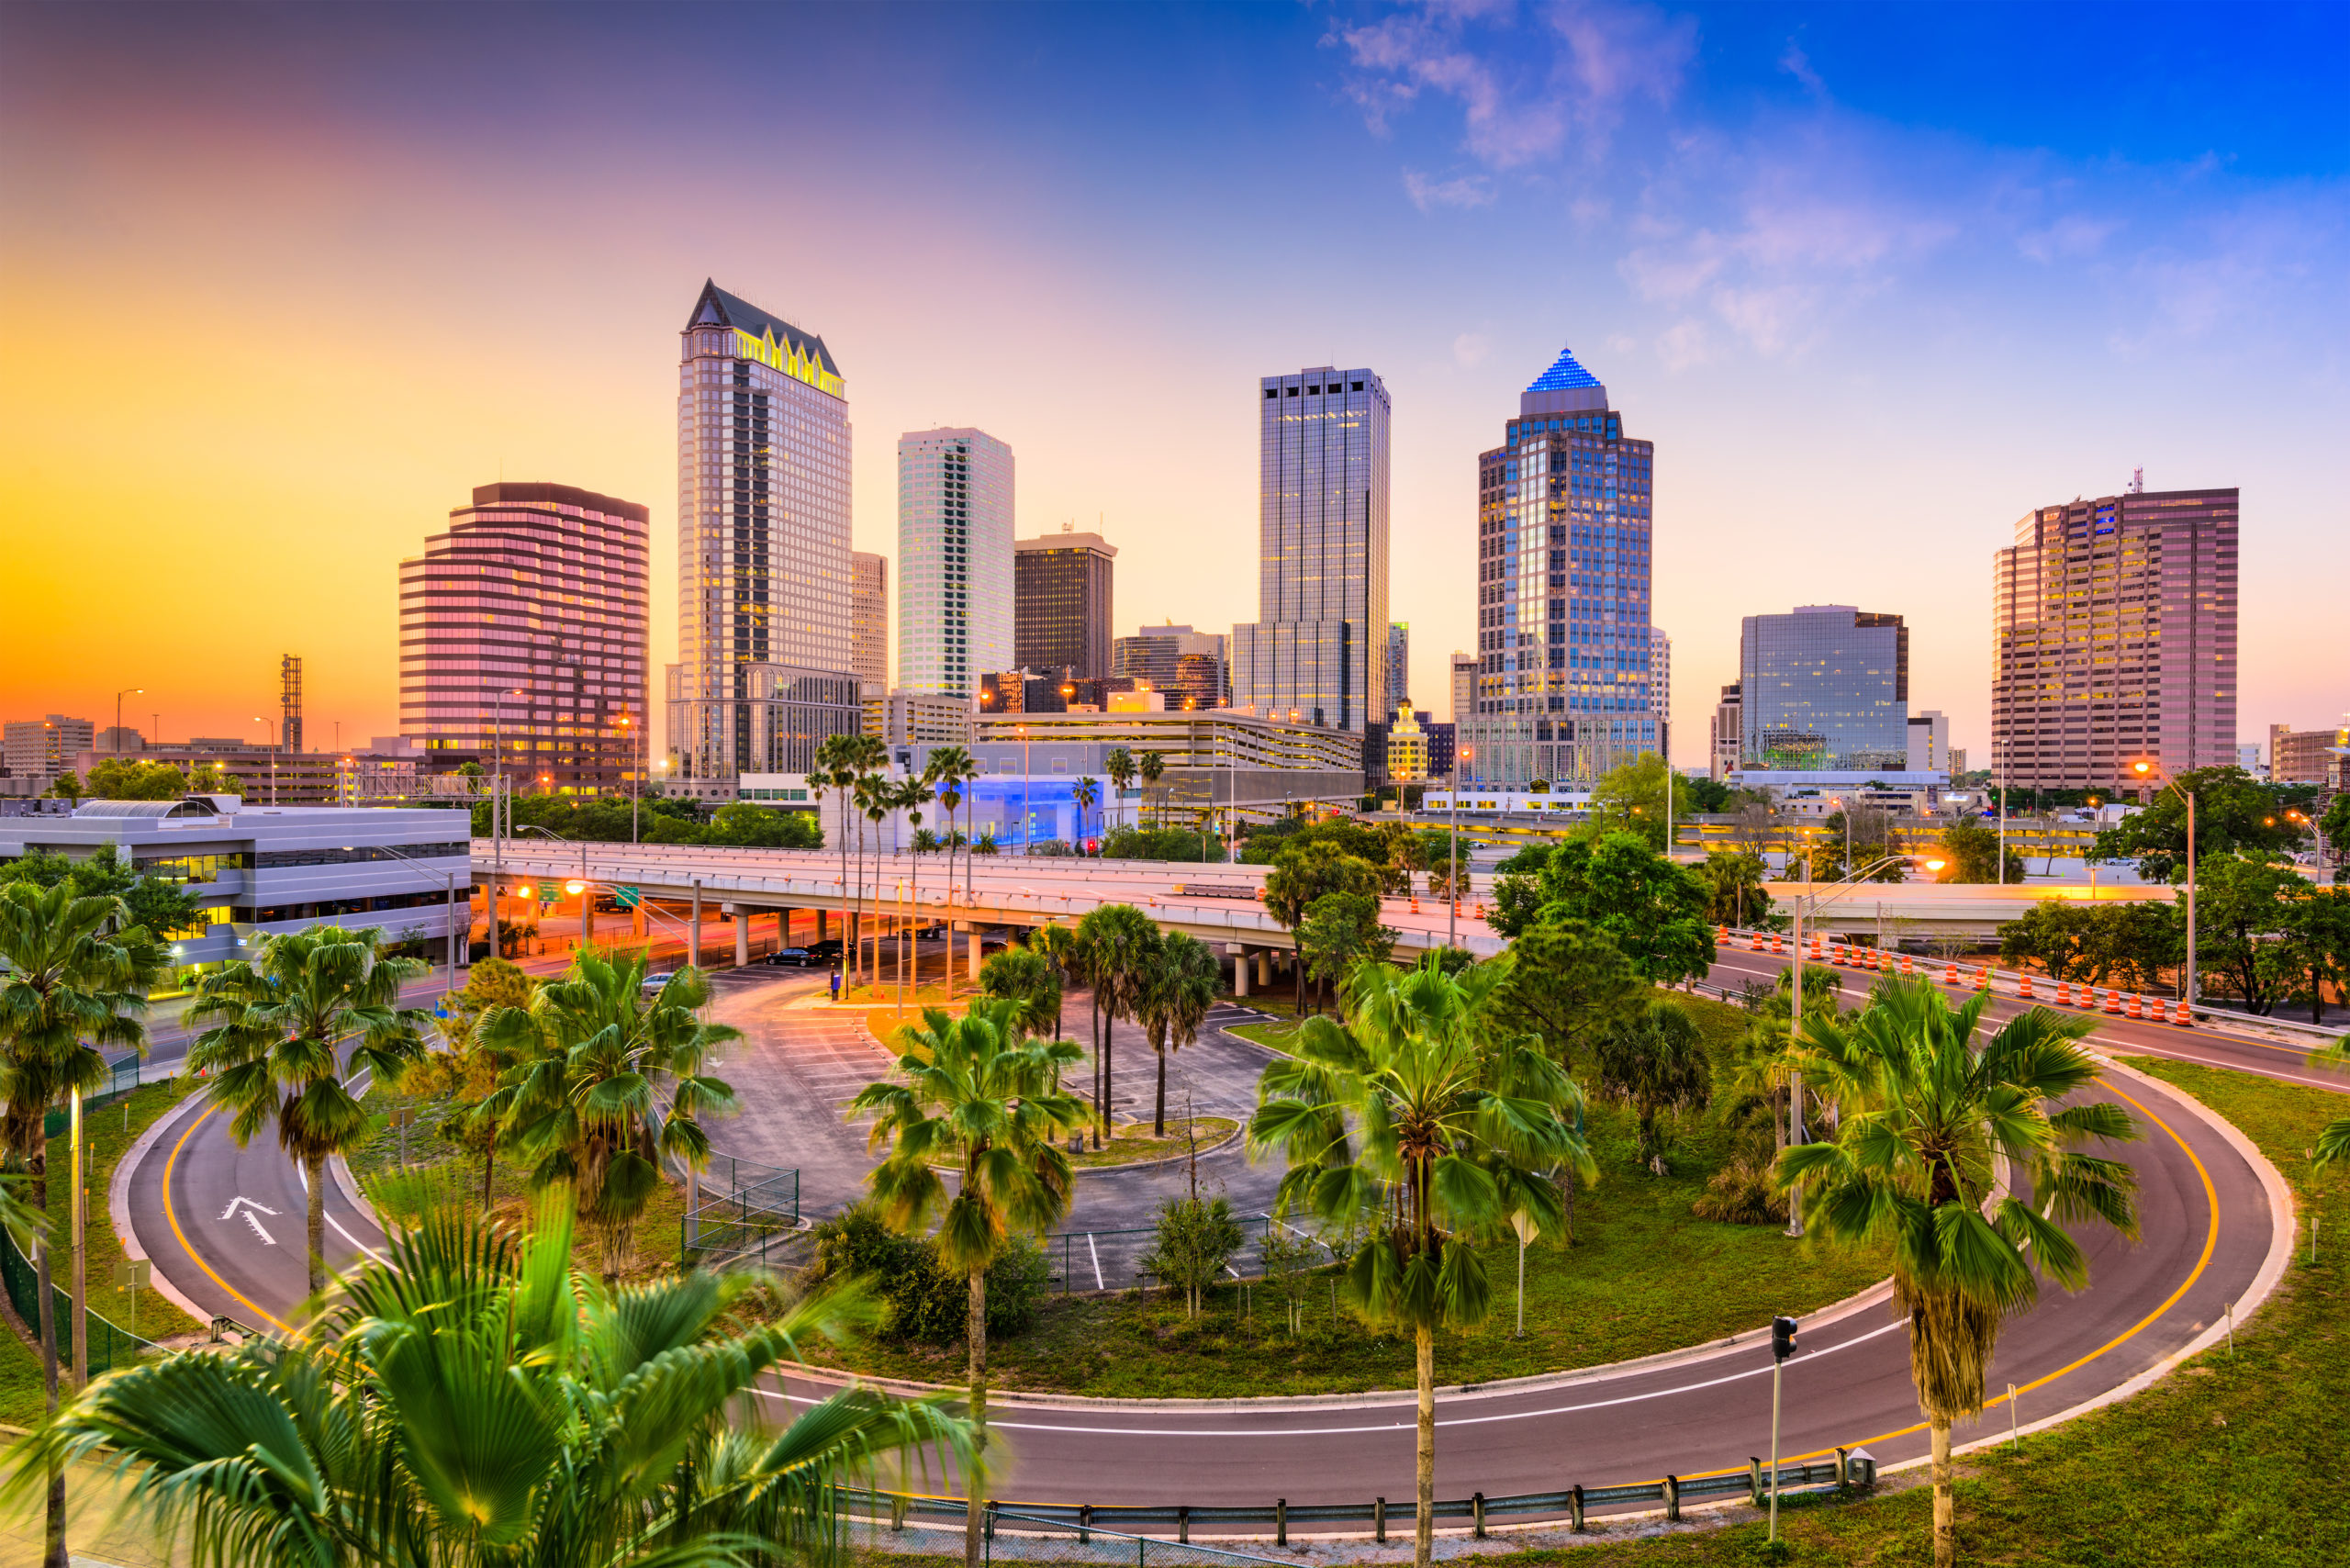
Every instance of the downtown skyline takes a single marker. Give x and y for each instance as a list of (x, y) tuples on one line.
[(1831, 331)]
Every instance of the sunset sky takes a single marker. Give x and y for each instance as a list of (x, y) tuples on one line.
[(279, 285)]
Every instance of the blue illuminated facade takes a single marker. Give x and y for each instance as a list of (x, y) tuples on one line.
[(1564, 534)]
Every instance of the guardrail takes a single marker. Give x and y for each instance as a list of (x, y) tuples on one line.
[(743, 1211), (1852, 1469)]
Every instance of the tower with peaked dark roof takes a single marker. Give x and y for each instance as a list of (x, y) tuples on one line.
[(1563, 682), (764, 671)]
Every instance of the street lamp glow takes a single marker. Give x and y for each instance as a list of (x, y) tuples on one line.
[(575, 887), (523, 892), (1936, 865)]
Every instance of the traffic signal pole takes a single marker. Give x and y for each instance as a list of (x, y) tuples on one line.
[(1783, 1345)]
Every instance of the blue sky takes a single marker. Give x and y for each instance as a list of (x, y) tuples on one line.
[(1876, 280)]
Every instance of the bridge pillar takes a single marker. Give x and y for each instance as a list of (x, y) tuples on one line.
[(1240, 971), (693, 950), (820, 925), (742, 936), (971, 940), (1265, 968)]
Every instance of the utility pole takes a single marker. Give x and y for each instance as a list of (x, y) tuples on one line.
[(1783, 1345)]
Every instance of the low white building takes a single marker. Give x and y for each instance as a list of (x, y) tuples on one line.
[(1475, 801)]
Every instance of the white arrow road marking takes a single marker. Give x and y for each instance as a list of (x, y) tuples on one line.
[(230, 1213)]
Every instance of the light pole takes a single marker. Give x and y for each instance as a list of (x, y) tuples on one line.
[(2150, 770), (126, 691), (1452, 853), (498, 803), (2316, 826), (635, 772), (1023, 789), (449, 879), (585, 888)]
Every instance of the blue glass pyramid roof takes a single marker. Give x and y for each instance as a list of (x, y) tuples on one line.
[(1564, 375)]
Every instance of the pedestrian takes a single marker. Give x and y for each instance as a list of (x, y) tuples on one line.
[(837, 984)]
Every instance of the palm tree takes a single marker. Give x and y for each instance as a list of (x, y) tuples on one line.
[(1027, 976), (1086, 792), (581, 1103), (476, 1403), (1655, 1062), (953, 768), (1057, 945), (1120, 766), (1422, 1122), (76, 979), (1928, 1115), (2334, 1138), (1152, 765), (279, 1023), (876, 798), (1176, 993), (1120, 944), (912, 797), (834, 770), (978, 1092)]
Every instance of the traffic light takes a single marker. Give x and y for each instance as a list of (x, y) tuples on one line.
[(1783, 1338)]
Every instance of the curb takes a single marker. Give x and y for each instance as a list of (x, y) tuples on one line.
[(118, 1203)]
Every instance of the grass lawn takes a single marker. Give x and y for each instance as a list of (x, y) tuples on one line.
[(2225, 1463), (1131, 1144), (1644, 1275)]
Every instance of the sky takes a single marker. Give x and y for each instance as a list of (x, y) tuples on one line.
[(279, 285)]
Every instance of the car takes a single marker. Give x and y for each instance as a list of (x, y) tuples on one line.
[(825, 951), (653, 983), (791, 958), (993, 943)]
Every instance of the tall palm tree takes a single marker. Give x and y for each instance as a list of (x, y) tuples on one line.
[(912, 797), (975, 1090), (275, 1027), (1027, 976), (1058, 947), (834, 770), (1120, 766), (476, 1403), (1175, 996), (1151, 766), (1087, 792), (1420, 1121), (876, 798), (77, 977), (582, 1104), (1655, 1062), (1120, 944), (953, 768), (1927, 1115)]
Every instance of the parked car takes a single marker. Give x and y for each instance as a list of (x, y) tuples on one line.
[(791, 958), (652, 984), (827, 950)]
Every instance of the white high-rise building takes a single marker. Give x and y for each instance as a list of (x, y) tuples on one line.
[(1660, 690), (954, 559), (764, 590)]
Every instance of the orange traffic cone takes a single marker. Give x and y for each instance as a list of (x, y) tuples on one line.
[(2113, 1003), (2064, 994), (1778, 942), (2027, 986), (2137, 1005), (1983, 979), (1951, 976)]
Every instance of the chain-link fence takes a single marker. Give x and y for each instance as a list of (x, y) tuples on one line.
[(742, 1212), (111, 1345), (125, 1070), (1119, 1259)]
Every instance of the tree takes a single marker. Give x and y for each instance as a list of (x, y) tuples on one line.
[(66, 786), (476, 1403), (1565, 983), (1306, 873), (1395, 1124), (833, 769), (162, 908), (1194, 1241), (1927, 1115), (467, 1069), (119, 778), (1173, 1001), (1630, 799), (747, 826), (2315, 947), (1869, 832), (1151, 766), (1120, 766), (1340, 931), (1117, 944), (1407, 854), (1655, 1062), (2234, 814), (1086, 793), (1444, 861), (74, 973), (1737, 876), (2240, 903), (2059, 934), (275, 1028), (1027, 977), (1653, 910), (206, 778), (2334, 1138), (974, 1091), (580, 1102), (1971, 848)]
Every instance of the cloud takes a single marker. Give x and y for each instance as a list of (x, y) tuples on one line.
[(1469, 348), (2068, 239), (1467, 190), (1684, 344), (1797, 64)]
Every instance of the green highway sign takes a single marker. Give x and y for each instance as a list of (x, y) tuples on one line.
[(626, 897)]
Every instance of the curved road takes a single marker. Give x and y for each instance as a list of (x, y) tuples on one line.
[(2207, 1232)]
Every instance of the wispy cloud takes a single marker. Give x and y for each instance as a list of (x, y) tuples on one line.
[(1470, 348), (1466, 190)]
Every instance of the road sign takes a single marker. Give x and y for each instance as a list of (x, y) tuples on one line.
[(626, 898), (132, 1274)]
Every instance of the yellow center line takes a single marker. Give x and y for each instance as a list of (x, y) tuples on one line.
[(172, 1215)]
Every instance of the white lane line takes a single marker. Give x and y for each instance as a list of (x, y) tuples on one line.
[(2336, 1084), (1285, 1432), (304, 1177)]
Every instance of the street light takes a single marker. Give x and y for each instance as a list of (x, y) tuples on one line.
[(635, 773), (2317, 827), (126, 691), (449, 879), (577, 887), (2150, 770)]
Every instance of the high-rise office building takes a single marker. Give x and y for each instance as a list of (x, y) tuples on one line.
[(1728, 736), (1929, 741), (2115, 622), (954, 559), (1824, 688), (523, 634), (1661, 689), (42, 748), (1189, 665), (869, 619), (1319, 647), (1060, 602), (1464, 686), (1399, 665), (763, 674), (1564, 533)]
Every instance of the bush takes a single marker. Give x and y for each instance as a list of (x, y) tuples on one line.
[(928, 1304)]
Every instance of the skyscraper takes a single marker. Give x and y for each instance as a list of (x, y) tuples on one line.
[(1661, 689), (1464, 686), (1824, 688), (954, 559), (2115, 621), (523, 631), (1060, 602), (1176, 660), (1563, 531), (763, 674), (1399, 666), (1728, 733), (868, 618), (1319, 647)]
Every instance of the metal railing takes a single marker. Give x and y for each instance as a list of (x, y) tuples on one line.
[(743, 1211), (1113, 1260), (1008, 1536), (111, 1345)]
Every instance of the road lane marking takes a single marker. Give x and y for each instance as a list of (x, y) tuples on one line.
[(230, 1213), (188, 1246)]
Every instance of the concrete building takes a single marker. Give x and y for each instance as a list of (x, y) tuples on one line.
[(1399, 666), (1563, 536), (1061, 598), (2306, 757), (763, 675), (524, 638), (1728, 733), (2114, 624), (1929, 742), (868, 619), (1407, 748), (1440, 744), (900, 719), (118, 740), (1319, 647), (1178, 660), (954, 510), (1957, 761), (1824, 687), (1661, 689), (257, 870), (42, 748), (1464, 686)]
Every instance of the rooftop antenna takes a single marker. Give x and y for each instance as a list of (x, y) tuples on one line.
[(2138, 480)]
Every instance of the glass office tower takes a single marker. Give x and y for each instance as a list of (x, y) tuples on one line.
[(954, 559), (764, 590), (1319, 647), (1824, 688), (1060, 602), (1563, 528)]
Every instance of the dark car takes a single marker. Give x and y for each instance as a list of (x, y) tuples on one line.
[(831, 947), (793, 958)]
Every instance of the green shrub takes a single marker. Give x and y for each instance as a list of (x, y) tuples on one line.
[(928, 1304)]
